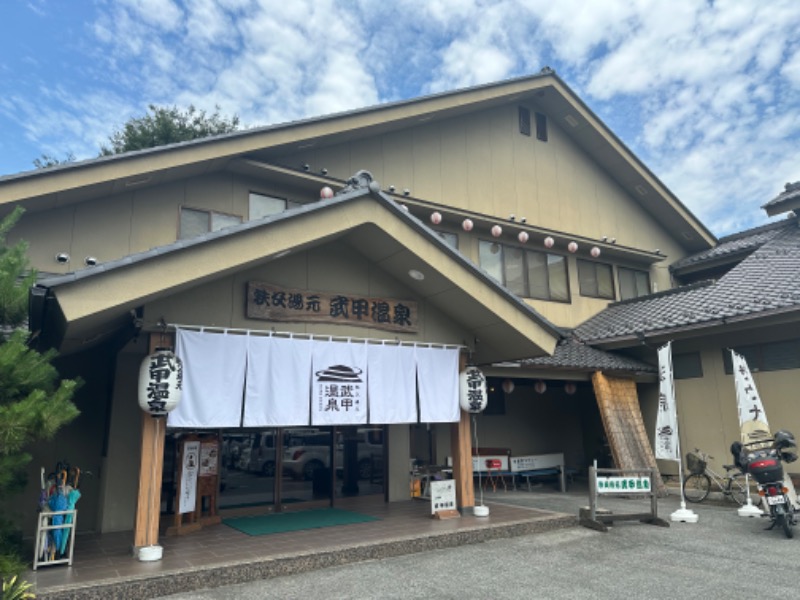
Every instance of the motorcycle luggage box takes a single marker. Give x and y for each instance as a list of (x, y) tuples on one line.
[(766, 470)]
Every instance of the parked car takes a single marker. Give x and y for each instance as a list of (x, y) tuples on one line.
[(308, 451)]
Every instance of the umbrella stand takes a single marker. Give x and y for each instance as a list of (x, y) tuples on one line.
[(57, 518)]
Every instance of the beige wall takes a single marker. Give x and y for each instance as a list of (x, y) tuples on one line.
[(334, 266), (482, 163)]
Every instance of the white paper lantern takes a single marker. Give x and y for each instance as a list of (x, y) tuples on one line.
[(467, 225), (436, 218), (508, 386), (160, 382), (540, 387), (472, 394), (497, 231), (572, 247), (326, 193), (549, 242), (595, 251), (570, 388), (522, 236)]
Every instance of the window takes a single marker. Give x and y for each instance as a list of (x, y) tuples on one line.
[(195, 222), (770, 356), (596, 280), (687, 366), (633, 283), (524, 121), (450, 238), (525, 272), (541, 127), (262, 206)]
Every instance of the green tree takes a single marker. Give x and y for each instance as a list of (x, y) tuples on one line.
[(168, 125), (34, 401), (45, 161)]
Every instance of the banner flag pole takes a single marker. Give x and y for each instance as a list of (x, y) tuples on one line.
[(668, 445)]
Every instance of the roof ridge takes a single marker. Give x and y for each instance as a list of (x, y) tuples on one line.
[(754, 230), (670, 292)]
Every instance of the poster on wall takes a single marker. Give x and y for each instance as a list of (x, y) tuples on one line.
[(191, 461), (209, 452)]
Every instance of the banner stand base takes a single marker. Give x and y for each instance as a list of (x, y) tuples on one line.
[(749, 510)]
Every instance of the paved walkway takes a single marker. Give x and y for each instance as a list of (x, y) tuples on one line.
[(104, 567), (722, 556)]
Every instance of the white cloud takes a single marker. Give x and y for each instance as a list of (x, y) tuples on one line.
[(704, 92)]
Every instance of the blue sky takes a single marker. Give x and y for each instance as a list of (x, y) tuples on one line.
[(705, 93)]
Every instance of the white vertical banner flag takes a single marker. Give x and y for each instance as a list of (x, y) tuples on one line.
[(752, 418), (213, 379), (391, 384), (339, 383), (667, 444), (278, 388), (437, 381)]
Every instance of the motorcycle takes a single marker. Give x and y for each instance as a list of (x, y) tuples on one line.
[(764, 462)]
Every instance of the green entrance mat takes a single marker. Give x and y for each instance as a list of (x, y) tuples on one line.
[(296, 521)]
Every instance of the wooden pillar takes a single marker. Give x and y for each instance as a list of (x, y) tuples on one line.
[(151, 465), (461, 449)]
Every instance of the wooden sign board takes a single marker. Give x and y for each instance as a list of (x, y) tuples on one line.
[(276, 303)]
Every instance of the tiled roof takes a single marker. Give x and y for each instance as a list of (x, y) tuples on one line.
[(766, 281), (573, 354), (732, 245), (791, 191)]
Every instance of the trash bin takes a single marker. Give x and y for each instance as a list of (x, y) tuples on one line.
[(321, 482)]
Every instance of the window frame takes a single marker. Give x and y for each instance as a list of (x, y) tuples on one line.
[(210, 213), (252, 193), (548, 269), (594, 265), (633, 272)]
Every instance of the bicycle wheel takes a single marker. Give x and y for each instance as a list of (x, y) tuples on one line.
[(737, 489), (696, 487)]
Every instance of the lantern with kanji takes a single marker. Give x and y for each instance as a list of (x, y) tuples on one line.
[(472, 394), (160, 382)]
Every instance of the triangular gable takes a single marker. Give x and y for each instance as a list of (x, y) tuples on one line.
[(502, 326), (107, 175)]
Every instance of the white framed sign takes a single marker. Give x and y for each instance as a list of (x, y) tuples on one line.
[(443, 495), (638, 484)]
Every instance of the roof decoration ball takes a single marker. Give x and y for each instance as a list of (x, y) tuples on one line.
[(326, 193), (572, 247), (404, 207), (522, 236), (595, 252), (467, 225), (436, 218), (540, 387), (549, 242), (497, 231)]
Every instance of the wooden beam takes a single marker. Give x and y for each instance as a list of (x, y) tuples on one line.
[(461, 449), (151, 465)]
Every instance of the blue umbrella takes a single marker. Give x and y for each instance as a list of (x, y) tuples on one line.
[(72, 499), (58, 501)]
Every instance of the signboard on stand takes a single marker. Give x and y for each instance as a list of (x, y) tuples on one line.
[(443, 499)]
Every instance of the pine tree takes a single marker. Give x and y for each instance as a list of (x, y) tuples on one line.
[(34, 401)]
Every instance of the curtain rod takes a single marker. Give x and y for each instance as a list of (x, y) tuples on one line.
[(311, 336)]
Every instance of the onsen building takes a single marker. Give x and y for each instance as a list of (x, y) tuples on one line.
[(326, 280)]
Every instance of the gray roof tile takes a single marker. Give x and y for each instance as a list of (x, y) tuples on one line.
[(732, 245), (571, 353), (767, 280), (791, 191)]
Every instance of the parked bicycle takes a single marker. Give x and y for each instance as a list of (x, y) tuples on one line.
[(697, 485)]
